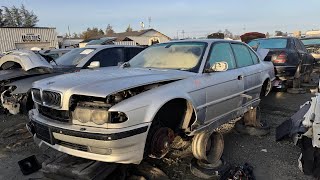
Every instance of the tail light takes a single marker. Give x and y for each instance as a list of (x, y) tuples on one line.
[(281, 58)]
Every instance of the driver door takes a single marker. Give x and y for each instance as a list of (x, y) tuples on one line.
[(223, 88)]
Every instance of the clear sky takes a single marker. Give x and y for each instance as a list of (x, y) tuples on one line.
[(195, 17)]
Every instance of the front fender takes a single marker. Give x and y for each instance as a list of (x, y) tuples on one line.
[(142, 108)]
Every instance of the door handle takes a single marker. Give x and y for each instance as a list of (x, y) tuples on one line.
[(240, 77)]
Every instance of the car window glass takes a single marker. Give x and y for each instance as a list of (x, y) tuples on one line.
[(109, 57), (131, 52), (254, 57), (302, 46), (222, 52), (242, 55)]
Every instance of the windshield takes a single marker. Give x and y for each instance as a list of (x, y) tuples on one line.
[(176, 55), (269, 43), (74, 57), (311, 41)]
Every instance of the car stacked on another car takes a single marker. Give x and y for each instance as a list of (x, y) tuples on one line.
[(20, 69), (288, 55), (169, 91)]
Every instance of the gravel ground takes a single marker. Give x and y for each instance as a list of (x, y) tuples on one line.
[(277, 161)]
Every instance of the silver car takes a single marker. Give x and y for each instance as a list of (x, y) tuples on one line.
[(170, 90)]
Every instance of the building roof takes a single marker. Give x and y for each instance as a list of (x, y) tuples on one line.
[(123, 35), (29, 27)]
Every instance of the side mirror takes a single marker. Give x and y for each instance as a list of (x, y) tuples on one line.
[(217, 67), (220, 66), (94, 64)]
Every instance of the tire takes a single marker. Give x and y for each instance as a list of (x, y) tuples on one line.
[(207, 146), (149, 172), (252, 131), (208, 173), (265, 89)]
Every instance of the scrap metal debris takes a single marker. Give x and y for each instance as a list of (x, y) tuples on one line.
[(244, 172)]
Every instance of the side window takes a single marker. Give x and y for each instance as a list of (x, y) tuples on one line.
[(222, 52), (131, 52), (242, 55), (302, 45), (109, 57), (254, 57)]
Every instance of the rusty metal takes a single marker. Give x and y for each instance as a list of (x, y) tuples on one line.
[(161, 141)]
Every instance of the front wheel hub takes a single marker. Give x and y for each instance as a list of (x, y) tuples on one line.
[(161, 141)]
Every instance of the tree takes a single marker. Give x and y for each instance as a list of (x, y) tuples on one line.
[(129, 29), (17, 17), (75, 35), (280, 33), (228, 34), (267, 35), (109, 30), (92, 33)]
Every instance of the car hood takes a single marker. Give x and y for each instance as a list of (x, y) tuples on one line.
[(104, 81), (18, 74), (26, 58)]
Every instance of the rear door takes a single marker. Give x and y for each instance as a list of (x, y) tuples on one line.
[(249, 64), (223, 88)]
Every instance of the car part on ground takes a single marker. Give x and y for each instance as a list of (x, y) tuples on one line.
[(304, 127), (244, 172), (154, 104), (208, 147), (208, 171), (29, 165), (251, 124)]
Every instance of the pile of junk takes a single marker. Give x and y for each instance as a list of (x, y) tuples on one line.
[(304, 129)]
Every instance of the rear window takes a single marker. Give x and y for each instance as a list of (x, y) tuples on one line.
[(311, 41), (272, 43)]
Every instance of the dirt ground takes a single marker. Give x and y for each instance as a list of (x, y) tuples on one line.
[(270, 159)]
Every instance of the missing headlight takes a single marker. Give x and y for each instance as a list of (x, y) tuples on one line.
[(118, 117)]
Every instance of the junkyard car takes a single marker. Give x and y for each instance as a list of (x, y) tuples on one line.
[(170, 90), (312, 45), (288, 55), (20, 69)]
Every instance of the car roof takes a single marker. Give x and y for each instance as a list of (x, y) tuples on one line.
[(109, 46), (205, 40)]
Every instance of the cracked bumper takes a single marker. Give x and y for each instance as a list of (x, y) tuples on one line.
[(124, 145)]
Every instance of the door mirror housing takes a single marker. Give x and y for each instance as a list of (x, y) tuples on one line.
[(220, 66), (94, 64)]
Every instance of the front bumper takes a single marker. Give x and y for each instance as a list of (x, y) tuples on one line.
[(124, 145)]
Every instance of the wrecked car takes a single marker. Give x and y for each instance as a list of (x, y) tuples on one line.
[(16, 80), (289, 56), (164, 97), (312, 45)]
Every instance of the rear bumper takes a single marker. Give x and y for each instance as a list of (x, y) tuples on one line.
[(124, 145), (285, 72)]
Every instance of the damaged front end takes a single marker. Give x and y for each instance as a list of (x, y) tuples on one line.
[(14, 103)]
